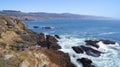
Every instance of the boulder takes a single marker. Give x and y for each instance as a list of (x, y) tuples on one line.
[(52, 42), (92, 43), (51, 39), (35, 26), (85, 62), (47, 27), (90, 51), (42, 40), (77, 49), (57, 36), (108, 41)]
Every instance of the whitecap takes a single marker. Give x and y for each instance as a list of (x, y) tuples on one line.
[(108, 33), (109, 57)]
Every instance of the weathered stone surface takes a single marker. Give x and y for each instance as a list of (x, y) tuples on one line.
[(57, 36), (52, 41), (85, 62), (18, 47), (35, 26), (108, 41), (47, 27), (60, 58), (42, 40), (48, 41), (90, 51), (92, 43), (77, 49)]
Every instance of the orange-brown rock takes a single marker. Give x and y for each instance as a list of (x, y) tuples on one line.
[(18, 47)]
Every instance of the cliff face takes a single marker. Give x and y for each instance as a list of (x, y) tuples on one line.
[(18, 47)]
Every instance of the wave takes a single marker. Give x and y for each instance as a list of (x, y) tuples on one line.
[(108, 33), (109, 58)]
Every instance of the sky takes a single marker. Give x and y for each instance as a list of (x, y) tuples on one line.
[(106, 8)]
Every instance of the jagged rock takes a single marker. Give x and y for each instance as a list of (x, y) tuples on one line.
[(52, 42), (108, 41), (47, 27), (77, 49), (51, 39), (18, 47), (90, 51), (59, 58), (35, 26), (85, 62), (92, 43), (42, 40), (57, 36)]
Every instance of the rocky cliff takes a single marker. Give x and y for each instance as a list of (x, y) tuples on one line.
[(21, 47)]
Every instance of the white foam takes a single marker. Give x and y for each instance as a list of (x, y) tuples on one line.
[(108, 33), (109, 58)]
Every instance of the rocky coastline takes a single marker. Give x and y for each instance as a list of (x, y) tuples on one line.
[(21, 47)]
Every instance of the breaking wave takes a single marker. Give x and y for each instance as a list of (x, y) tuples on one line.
[(109, 58)]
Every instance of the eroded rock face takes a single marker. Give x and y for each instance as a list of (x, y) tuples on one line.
[(57, 36), (48, 41), (18, 47), (88, 50), (85, 62), (92, 43), (108, 41), (47, 27), (77, 49), (91, 51), (59, 58)]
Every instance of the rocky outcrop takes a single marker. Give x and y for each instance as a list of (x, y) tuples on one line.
[(57, 36), (85, 62), (77, 49), (35, 26), (94, 42), (88, 50), (48, 41), (19, 47), (91, 51), (47, 27)]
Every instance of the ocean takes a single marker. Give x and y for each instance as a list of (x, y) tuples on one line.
[(74, 32)]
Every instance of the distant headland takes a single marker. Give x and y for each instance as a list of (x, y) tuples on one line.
[(33, 16)]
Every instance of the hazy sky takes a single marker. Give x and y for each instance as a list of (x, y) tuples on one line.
[(108, 8)]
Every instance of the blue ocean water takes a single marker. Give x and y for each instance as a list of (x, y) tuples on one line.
[(102, 29), (74, 32)]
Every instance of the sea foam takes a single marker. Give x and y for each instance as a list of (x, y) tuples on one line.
[(109, 57)]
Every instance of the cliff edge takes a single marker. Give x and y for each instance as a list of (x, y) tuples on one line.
[(21, 47)]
